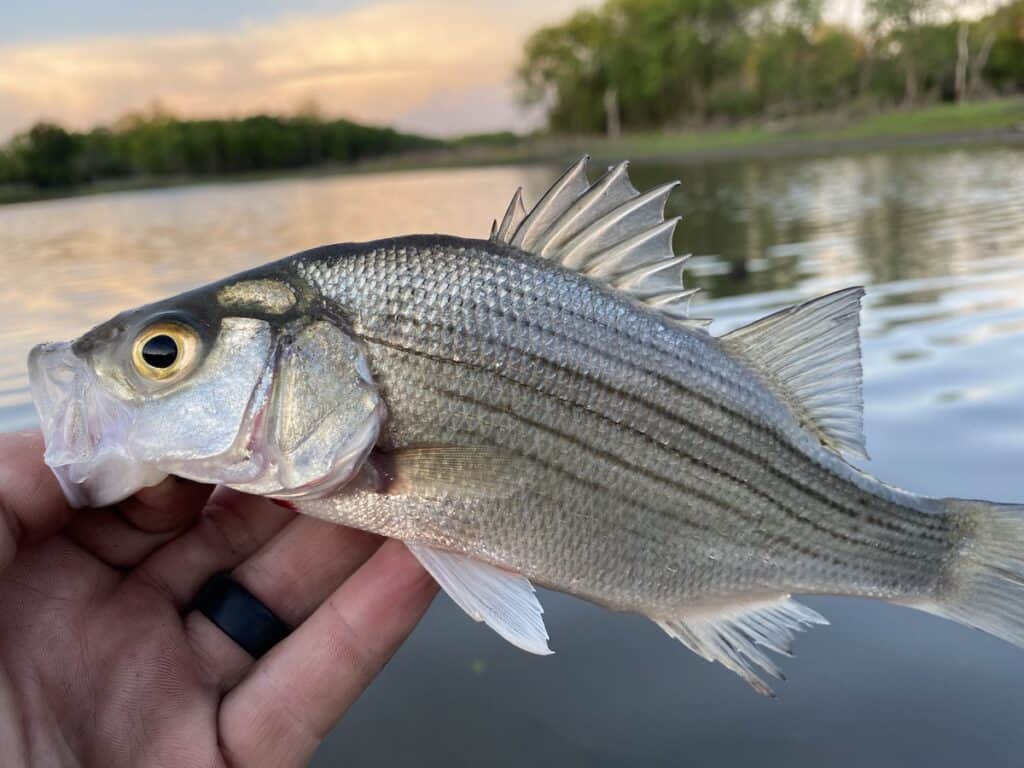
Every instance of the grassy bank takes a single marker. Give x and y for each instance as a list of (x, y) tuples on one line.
[(990, 121), (998, 121)]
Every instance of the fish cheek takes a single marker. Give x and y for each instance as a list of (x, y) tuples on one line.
[(203, 416), (326, 409)]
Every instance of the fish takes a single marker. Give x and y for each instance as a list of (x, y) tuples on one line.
[(538, 407)]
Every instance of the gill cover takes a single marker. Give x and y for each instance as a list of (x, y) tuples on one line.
[(324, 415), (282, 407)]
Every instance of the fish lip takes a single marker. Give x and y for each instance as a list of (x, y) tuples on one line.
[(53, 375), (83, 430), (49, 405)]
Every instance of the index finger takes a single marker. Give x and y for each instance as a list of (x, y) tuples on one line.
[(32, 506)]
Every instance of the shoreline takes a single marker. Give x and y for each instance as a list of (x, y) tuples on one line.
[(995, 123)]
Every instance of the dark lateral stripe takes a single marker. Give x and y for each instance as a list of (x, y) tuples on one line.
[(914, 519), (892, 569), (862, 515), (864, 547), (570, 477), (793, 544)]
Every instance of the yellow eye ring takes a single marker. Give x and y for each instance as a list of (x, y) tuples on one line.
[(164, 351)]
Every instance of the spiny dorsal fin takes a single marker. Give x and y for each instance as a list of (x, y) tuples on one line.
[(732, 634), (555, 202), (608, 231), (810, 356), (514, 215)]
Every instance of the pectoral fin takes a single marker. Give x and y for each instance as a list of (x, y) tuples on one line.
[(448, 470), (503, 600)]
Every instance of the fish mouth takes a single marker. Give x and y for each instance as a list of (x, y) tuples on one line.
[(84, 429)]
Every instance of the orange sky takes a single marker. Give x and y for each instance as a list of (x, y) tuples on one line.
[(438, 66)]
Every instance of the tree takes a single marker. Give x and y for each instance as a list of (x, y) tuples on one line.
[(565, 69), (45, 155), (671, 53), (1004, 68), (157, 144), (647, 62), (901, 21)]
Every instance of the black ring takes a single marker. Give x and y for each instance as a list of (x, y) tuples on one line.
[(239, 615)]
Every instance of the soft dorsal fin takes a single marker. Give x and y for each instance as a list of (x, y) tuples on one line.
[(608, 231), (809, 354)]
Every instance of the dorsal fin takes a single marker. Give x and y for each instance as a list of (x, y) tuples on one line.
[(570, 186), (809, 354), (608, 231)]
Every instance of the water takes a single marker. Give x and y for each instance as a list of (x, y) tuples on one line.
[(938, 238)]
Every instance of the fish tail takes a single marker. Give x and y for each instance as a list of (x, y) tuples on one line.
[(982, 584)]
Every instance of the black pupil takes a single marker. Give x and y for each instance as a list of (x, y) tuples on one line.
[(160, 351)]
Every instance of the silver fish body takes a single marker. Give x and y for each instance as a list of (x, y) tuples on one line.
[(537, 407)]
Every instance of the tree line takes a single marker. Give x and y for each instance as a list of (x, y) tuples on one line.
[(655, 63), (159, 145)]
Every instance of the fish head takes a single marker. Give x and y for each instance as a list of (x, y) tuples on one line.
[(249, 383)]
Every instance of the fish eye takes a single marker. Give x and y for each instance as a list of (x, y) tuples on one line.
[(164, 350)]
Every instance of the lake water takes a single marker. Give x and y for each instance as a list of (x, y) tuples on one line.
[(938, 239)]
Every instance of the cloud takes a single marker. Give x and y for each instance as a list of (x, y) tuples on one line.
[(439, 65)]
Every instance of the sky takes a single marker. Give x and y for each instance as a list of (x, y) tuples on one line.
[(442, 67)]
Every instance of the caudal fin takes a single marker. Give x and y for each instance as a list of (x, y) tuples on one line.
[(984, 585)]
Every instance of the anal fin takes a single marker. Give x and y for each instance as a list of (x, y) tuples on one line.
[(735, 634)]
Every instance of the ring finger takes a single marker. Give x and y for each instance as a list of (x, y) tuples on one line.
[(291, 575)]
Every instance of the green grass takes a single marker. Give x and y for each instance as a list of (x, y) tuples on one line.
[(998, 120), (947, 120)]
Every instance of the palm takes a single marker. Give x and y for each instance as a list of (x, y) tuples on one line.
[(101, 662)]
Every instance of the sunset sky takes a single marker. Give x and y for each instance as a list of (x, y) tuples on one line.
[(436, 66)]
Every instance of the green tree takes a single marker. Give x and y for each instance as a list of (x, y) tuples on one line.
[(664, 61), (45, 155), (900, 22), (666, 55), (564, 70), (1004, 68)]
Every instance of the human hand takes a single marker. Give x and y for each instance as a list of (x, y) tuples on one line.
[(102, 663)]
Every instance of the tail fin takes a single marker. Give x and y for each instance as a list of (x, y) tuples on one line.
[(984, 587)]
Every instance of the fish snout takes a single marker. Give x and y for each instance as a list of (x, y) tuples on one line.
[(85, 430)]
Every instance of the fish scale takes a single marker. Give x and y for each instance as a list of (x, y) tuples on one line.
[(562, 384), (481, 324)]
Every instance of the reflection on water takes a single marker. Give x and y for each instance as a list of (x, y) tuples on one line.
[(938, 238)]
